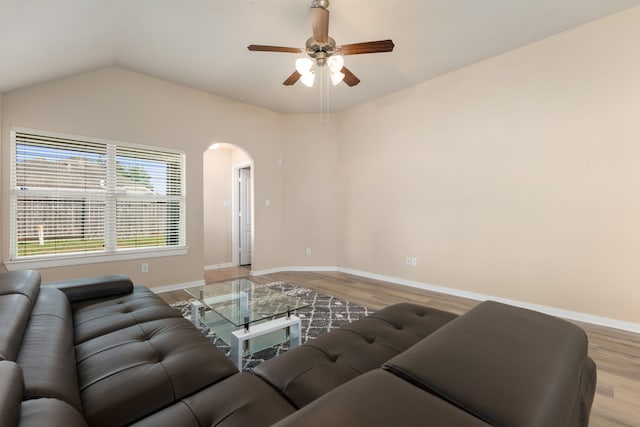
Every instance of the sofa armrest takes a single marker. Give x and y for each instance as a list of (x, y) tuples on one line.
[(94, 287), (507, 366)]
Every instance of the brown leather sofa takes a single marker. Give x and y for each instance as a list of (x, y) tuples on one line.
[(103, 352)]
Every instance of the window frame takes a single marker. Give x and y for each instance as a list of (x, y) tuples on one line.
[(110, 253)]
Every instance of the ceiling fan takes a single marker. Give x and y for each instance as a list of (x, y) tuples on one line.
[(322, 50)]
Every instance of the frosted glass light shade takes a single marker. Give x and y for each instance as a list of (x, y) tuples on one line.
[(335, 62), (336, 77), (308, 78), (303, 65)]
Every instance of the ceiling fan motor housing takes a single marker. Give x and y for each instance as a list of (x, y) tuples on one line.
[(319, 52)]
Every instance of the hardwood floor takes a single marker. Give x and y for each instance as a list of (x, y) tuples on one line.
[(616, 353)]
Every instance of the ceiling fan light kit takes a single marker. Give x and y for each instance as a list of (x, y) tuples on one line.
[(336, 78), (308, 78), (322, 50)]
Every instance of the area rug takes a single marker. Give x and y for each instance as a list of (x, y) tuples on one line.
[(324, 314)]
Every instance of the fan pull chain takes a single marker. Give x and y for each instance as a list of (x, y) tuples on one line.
[(325, 93)]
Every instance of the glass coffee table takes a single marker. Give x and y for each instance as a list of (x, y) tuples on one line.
[(247, 316)]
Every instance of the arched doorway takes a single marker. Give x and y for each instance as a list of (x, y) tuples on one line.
[(228, 207)]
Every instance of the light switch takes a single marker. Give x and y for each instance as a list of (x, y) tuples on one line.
[(267, 202)]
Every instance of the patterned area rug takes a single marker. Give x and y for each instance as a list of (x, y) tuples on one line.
[(324, 314)]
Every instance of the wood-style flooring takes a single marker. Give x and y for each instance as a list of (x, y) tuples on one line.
[(616, 353)]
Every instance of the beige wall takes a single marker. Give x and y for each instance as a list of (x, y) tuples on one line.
[(217, 216), (310, 184), (517, 177), (239, 157)]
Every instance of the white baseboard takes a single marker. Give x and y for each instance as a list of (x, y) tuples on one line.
[(218, 266), (553, 311), (283, 269), (177, 286)]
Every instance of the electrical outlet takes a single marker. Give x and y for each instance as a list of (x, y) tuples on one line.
[(414, 261), (408, 261), (144, 267), (308, 251)]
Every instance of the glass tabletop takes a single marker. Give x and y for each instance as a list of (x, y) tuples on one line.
[(243, 302)]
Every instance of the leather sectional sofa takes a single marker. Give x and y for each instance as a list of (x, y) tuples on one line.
[(103, 352)]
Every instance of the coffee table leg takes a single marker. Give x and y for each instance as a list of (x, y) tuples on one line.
[(241, 337), (295, 337), (195, 313), (237, 345)]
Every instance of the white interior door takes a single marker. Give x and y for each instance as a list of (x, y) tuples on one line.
[(244, 215)]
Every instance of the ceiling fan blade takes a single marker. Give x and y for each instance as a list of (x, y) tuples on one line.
[(292, 79), (320, 24), (366, 47), (263, 48), (349, 78)]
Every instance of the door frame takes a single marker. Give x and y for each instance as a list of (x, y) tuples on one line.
[(235, 208)]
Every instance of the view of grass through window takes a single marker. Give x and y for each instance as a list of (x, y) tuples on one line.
[(32, 247)]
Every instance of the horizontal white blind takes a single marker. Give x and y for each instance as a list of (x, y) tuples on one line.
[(75, 195)]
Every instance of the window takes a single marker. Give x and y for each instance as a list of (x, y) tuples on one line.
[(76, 196)]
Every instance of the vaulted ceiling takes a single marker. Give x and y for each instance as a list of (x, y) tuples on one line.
[(203, 43)]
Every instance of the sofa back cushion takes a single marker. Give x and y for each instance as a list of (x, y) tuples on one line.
[(89, 288), (379, 398), (506, 365), (18, 292), (47, 354), (320, 365)]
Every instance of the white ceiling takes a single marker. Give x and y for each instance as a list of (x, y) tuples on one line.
[(203, 43)]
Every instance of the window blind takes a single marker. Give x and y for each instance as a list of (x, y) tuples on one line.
[(75, 195)]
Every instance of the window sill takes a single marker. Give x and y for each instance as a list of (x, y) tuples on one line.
[(92, 259)]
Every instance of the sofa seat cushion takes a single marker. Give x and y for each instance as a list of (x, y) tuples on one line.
[(379, 398), (507, 365), (129, 373), (317, 367), (50, 413), (18, 294), (47, 355), (239, 401), (93, 318)]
